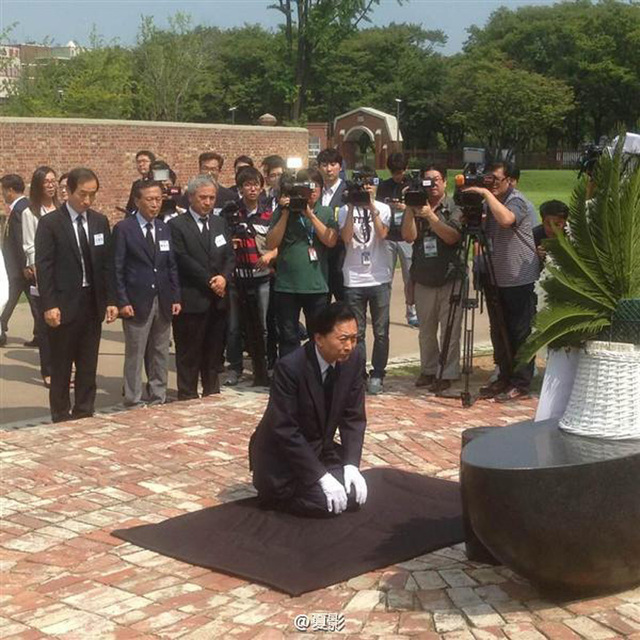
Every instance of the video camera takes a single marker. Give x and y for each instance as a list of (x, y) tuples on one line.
[(238, 228), (418, 192), (169, 192), (590, 155), (355, 192), (473, 175), (297, 192)]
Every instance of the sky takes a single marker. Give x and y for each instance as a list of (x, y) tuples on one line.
[(64, 20)]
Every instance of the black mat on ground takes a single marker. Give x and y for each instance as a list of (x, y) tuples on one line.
[(405, 516)]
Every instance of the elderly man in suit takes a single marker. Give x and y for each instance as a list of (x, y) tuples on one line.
[(316, 390), (205, 258), (148, 294), (73, 264)]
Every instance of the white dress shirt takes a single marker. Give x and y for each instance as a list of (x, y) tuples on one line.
[(324, 365), (200, 220), (328, 193), (73, 214), (143, 222)]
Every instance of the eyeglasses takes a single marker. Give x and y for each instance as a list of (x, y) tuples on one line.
[(50, 182)]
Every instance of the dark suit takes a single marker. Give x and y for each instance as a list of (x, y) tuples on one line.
[(199, 329), (293, 446), (337, 253), (82, 309), (147, 279), (15, 260)]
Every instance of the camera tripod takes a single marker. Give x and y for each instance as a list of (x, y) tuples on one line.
[(468, 296), (248, 307)]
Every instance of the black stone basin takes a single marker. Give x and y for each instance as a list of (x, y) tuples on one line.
[(559, 509)]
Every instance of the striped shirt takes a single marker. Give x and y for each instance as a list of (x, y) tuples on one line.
[(514, 255), (248, 252)]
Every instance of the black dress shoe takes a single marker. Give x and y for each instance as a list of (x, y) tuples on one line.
[(31, 343), (3, 339)]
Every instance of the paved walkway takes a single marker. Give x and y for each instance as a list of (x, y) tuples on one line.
[(66, 486), (24, 399)]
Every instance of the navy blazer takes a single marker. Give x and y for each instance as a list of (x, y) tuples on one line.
[(140, 274), (198, 261), (293, 444)]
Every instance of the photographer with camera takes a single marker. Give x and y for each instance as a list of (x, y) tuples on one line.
[(508, 228), (144, 159), (303, 231), (364, 224), (162, 173), (434, 230), (391, 192), (249, 223), (273, 168)]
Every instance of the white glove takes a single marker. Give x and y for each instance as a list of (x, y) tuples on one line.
[(353, 478), (334, 492)]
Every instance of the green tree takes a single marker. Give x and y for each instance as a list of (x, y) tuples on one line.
[(168, 65), (310, 27), (594, 47), (94, 84), (375, 66), (504, 108)]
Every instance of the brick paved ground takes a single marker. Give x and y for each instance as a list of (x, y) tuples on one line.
[(66, 486)]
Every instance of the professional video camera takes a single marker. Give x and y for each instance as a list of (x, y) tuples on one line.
[(238, 228), (169, 190), (297, 192), (590, 155), (355, 192), (473, 176), (417, 194)]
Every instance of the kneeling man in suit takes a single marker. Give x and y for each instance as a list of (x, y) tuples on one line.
[(317, 389)]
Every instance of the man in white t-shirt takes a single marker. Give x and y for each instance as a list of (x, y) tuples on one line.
[(367, 272)]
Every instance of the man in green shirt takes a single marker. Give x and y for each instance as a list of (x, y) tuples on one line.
[(302, 240)]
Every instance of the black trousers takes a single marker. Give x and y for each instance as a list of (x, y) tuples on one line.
[(199, 343), (336, 279), (17, 286), (76, 342), (518, 306), (288, 306), (310, 501)]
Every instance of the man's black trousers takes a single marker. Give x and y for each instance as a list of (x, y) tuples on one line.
[(76, 342), (199, 343), (518, 306)]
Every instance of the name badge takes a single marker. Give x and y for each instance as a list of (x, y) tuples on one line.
[(164, 245), (430, 245), (313, 256), (397, 218), (220, 241), (366, 259), (98, 239)]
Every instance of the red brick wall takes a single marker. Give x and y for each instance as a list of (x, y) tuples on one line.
[(109, 147)]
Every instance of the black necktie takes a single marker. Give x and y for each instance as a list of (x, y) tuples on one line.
[(149, 238), (329, 381), (84, 249), (205, 229)]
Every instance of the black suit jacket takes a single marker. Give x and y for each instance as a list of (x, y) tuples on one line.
[(293, 443), (140, 274), (336, 199), (59, 266), (13, 252), (198, 263)]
